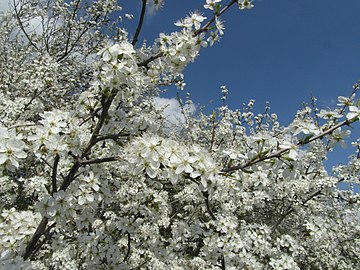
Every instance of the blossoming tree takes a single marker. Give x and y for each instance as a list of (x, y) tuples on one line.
[(93, 177)]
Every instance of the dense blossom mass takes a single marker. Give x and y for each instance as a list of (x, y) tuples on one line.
[(93, 176)]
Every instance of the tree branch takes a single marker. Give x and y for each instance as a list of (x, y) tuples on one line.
[(141, 20), (54, 173), (278, 153), (207, 203), (128, 246), (35, 238), (21, 25), (106, 102), (290, 209)]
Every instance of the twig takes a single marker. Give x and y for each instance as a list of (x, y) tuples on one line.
[(290, 209), (206, 26), (98, 160), (223, 266), (150, 59), (213, 133)]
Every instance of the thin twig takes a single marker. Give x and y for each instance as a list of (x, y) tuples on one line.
[(98, 161), (290, 209), (206, 26)]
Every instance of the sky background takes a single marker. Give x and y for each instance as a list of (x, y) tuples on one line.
[(281, 51)]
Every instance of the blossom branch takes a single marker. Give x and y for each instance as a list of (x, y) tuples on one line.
[(76, 7), (106, 102), (290, 209), (221, 12), (223, 265), (205, 28), (213, 133), (47, 237), (112, 136), (150, 59), (277, 154)]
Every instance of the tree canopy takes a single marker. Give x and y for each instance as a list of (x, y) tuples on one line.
[(93, 175)]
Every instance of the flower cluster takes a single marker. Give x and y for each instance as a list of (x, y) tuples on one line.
[(167, 159), (16, 229)]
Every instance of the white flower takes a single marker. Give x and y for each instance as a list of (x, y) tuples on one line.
[(306, 128), (292, 149), (354, 112), (338, 137), (54, 121), (129, 16), (111, 53), (245, 4), (327, 114), (197, 19), (183, 163), (12, 150), (210, 4), (219, 25), (158, 4), (345, 101)]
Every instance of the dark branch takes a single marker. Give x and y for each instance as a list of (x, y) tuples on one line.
[(21, 25), (54, 173), (35, 238), (278, 153), (207, 203), (141, 20), (290, 209), (128, 246), (72, 174)]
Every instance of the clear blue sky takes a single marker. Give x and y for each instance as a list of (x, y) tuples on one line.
[(281, 51)]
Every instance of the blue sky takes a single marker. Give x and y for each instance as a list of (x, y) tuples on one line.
[(282, 51)]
